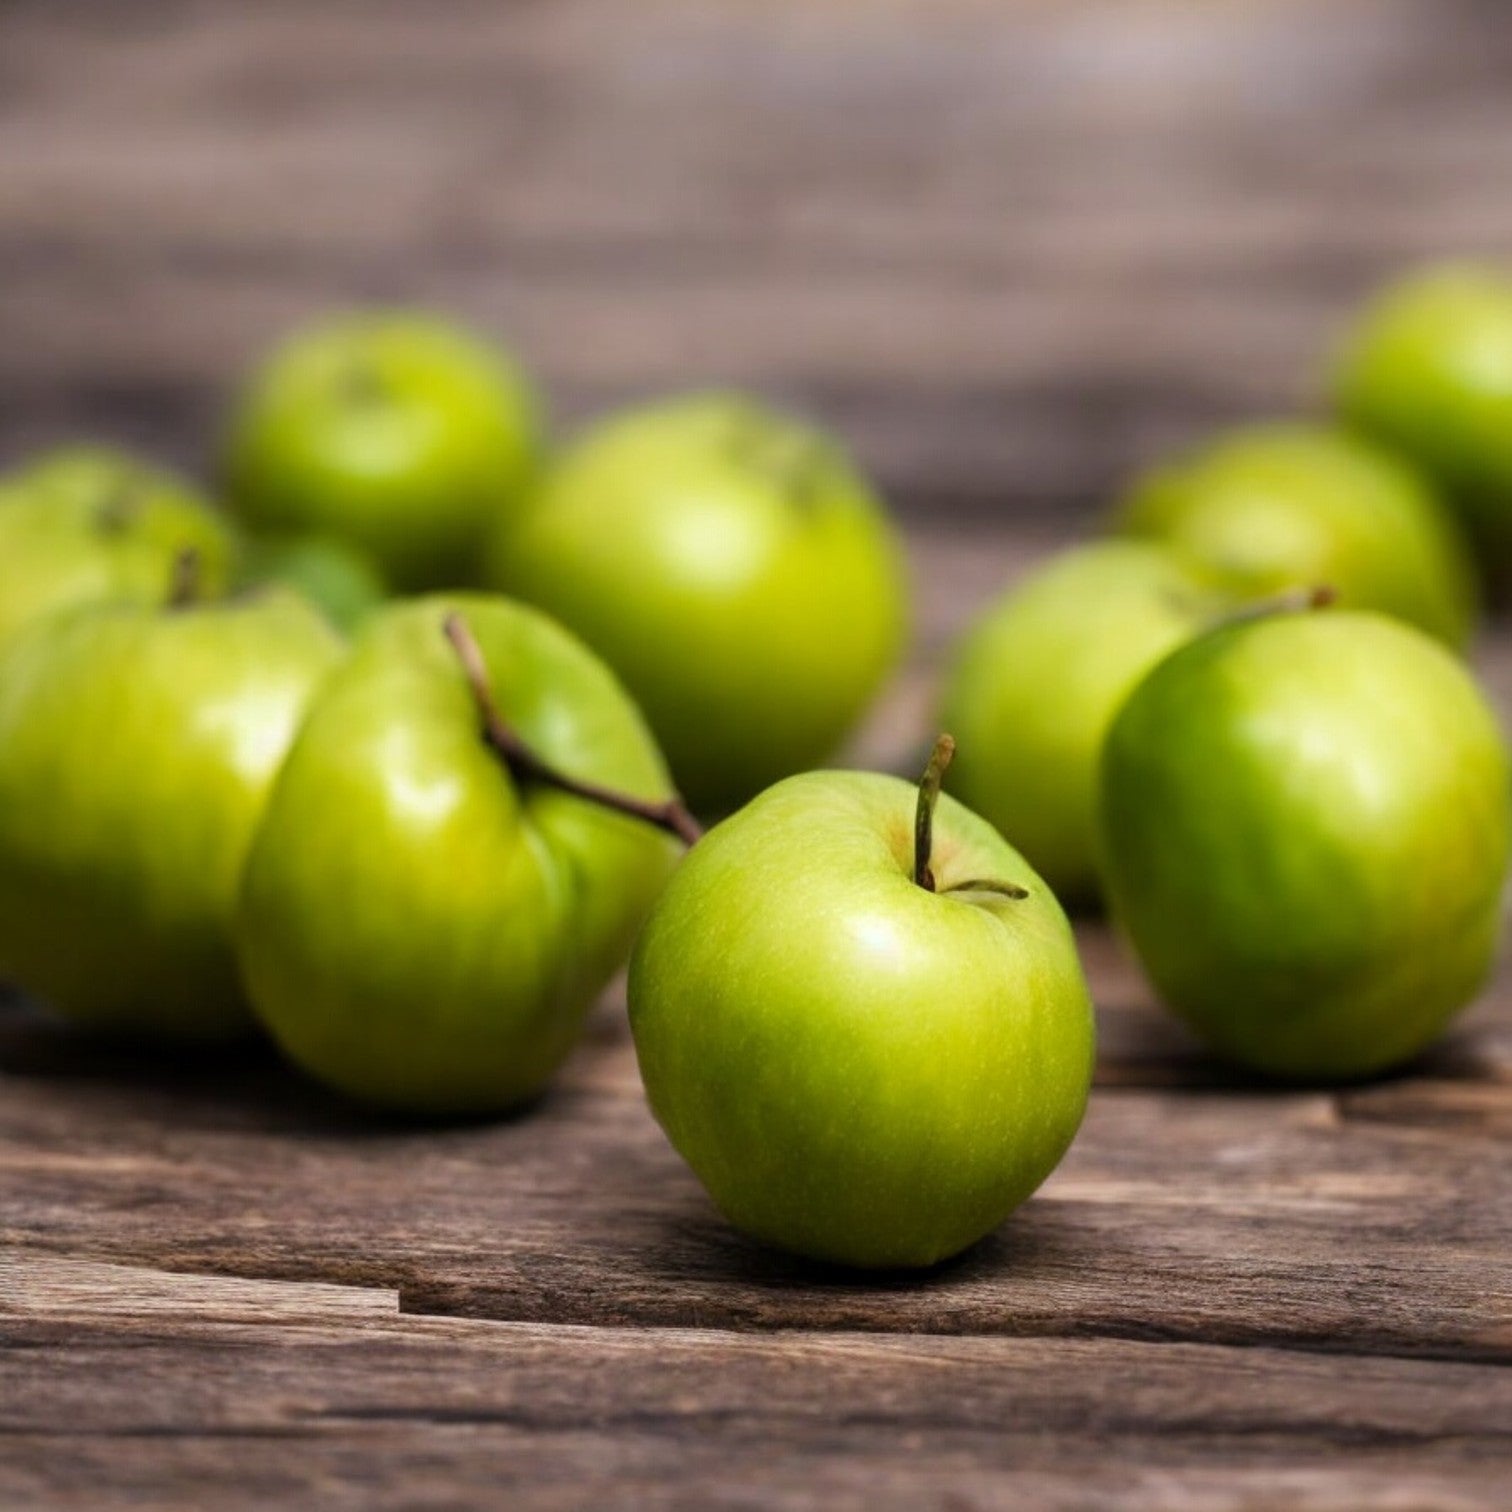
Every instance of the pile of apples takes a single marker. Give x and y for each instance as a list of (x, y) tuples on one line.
[(395, 751)]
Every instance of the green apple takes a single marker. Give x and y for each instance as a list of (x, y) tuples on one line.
[(86, 524), (1036, 683), (427, 915), (1272, 507), (338, 578), (393, 430), (1428, 370), (1305, 827), (866, 1031), (733, 567), (137, 747)]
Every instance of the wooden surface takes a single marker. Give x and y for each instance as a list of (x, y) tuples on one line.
[(1007, 248)]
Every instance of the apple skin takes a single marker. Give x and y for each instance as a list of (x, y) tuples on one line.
[(86, 524), (733, 567), (1305, 827), (857, 1069), (1036, 682), (137, 748), (394, 430), (335, 576), (417, 929), (1272, 507), (1427, 369)]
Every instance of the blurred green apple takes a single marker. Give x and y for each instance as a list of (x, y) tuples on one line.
[(1036, 683), (736, 571), (338, 578), (1428, 369), (393, 430), (1305, 822), (136, 750), (87, 524), (871, 1041), (1280, 506), (424, 922)]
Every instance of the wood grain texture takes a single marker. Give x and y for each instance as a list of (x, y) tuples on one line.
[(1376, 1220), (1007, 248), (217, 1409)]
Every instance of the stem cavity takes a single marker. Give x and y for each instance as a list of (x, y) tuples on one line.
[(186, 585), (120, 507), (986, 884), (670, 815), (360, 385)]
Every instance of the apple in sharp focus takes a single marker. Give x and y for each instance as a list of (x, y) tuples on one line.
[(864, 1061), (1305, 826), (734, 568), (87, 524), (1272, 507), (1427, 369), (1036, 683), (394, 430), (137, 747), (424, 924)]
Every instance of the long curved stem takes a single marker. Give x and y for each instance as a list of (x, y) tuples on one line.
[(671, 814)]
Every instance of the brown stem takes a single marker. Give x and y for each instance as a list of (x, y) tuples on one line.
[(187, 583), (1291, 601), (671, 814), (929, 793)]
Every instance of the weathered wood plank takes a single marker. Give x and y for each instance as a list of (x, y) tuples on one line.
[(63, 1290), (1008, 248), (1235, 1213), (212, 1407)]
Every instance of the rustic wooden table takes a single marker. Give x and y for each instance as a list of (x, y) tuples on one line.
[(1010, 249)]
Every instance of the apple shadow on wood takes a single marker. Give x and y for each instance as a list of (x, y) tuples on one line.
[(237, 1084)]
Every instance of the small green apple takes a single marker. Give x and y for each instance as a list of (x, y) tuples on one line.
[(736, 571), (136, 750), (1272, 507), (1305, 830), (85, 524), (393, 430), (427, 913), (1036, 683), (338, 578), (864, 1027), (1428, 370)]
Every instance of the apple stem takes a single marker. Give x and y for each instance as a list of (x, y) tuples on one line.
[(671, 814), (186, 583), (929, 793), (1292, 601)]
